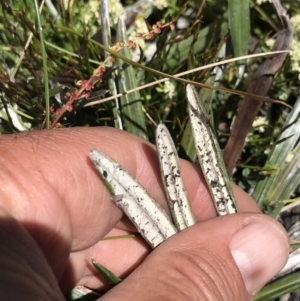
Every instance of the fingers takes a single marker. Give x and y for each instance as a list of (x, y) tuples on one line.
[(247, 250), (25, 273), (226, 258), (60, 158), (121, 256), (53, 189)]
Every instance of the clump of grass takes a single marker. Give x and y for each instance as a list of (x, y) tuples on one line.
[(184, 36)]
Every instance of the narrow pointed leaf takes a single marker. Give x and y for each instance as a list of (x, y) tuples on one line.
[(210, 156), (278, 156), (278, 288), (239, 25), (109, 276), (171, 175), (132, 109), (285, 183), (150, 219), (205, 94)]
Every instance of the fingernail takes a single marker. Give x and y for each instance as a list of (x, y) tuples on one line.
[(260, 251)]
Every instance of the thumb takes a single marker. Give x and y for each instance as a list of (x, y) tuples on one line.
[(225, 258)]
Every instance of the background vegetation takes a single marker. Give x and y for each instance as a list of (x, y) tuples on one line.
[(49, 78)]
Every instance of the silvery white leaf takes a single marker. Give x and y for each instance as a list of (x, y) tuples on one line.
[(150, 219), (210, 156), (171, 176)]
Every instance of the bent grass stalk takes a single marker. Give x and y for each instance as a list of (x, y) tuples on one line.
[(175, 76)]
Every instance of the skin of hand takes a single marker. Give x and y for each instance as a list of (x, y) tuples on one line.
[(55, 210)]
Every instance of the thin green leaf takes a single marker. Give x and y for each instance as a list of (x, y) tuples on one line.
[(68, 53), (109, 276), (279, 154), (187, 142), (287, 180), (45, 68), (179, 51), (132, 109), (239, 25), (279, 288), (12, 115)]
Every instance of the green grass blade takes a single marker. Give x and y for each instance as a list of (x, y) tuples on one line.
[(109, 276), (187, 143), (179, 52), (132, 109), (45, 68), (279, 288), (287, 180), (279, 154), (68, 53), (12, 115), (239, 25)]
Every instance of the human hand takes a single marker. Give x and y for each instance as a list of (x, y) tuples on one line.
[(55, 210)]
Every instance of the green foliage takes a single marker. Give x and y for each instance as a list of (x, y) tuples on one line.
[(70, 29)]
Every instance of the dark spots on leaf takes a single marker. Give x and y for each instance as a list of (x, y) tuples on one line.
[(214, 183), (166, 179)]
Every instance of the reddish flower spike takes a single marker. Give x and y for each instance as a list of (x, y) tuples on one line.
[(157, 30), (159, 24), (149, 35), (111, 58)]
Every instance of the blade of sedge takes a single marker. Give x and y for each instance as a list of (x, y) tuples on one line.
[(210, 155), (179, 204), (150, 219), (109, 276)]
